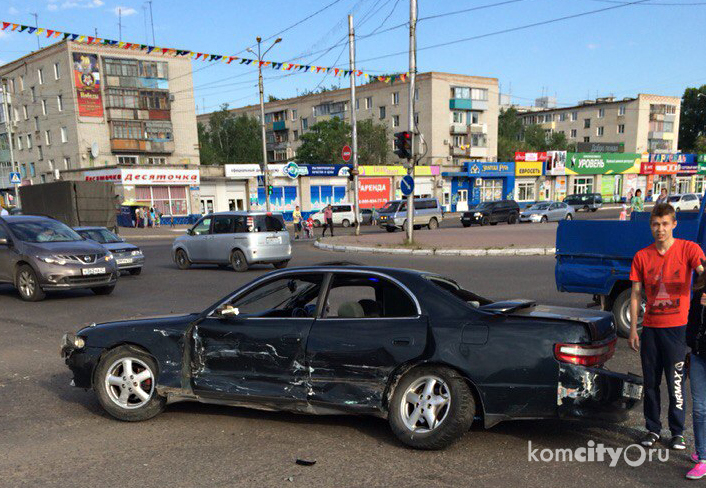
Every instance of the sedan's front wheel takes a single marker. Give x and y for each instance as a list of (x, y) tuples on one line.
[(125, 382), (432, 407)]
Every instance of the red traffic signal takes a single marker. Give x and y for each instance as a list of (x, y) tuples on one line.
[(403, 145)]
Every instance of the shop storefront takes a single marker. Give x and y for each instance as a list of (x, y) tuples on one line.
[(556, 181), (610, 174), (172, 192), (660, 175), (481, 182), (699, 178), (530, 184)]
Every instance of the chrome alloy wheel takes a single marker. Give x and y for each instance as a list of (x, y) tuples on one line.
[(129, 383), (425, 404), (27, 283)]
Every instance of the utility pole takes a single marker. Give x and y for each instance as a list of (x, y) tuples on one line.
[(261, 86), (152, 22), (8, 126), (412, 77), (354, 128), (120, 24), (36, 26)]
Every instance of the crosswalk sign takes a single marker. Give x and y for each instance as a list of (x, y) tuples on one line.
[(15, 179)]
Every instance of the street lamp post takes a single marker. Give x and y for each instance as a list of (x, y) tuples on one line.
[(265, 169)]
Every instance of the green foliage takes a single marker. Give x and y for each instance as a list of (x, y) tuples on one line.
[(230, 139), (513, 136), (322, 144), (535, 137), (692, 120)]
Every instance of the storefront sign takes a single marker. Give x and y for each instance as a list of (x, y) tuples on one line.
[(373, 192), (659, 168), (530, 156), (397, 170), (604, 163), (673, 158), (556, 163), (88, 87), (122, 176), (490, 169), (528, 168), (242, 171), (342, 170), (600, 147)]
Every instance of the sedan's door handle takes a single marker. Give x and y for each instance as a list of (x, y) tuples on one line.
[(402, 341), (291, 339)]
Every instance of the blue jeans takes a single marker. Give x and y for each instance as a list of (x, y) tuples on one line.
[(697, 371)]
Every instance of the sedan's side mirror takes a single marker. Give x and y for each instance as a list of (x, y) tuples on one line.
[(228, 311)]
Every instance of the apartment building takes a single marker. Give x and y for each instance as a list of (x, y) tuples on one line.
[(642, 124), (457, 116), (96, 112)]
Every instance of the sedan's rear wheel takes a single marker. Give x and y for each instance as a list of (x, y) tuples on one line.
[(125, 382), (432, 407), (27, 284), (433, 223)]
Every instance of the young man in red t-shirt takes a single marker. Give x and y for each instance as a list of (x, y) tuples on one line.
[(663, 271)]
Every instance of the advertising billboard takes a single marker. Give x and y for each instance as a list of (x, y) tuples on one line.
[(88, 87), (373, 192), (603, 163)]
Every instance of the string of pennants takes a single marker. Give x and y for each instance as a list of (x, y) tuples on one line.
[(197, 56)]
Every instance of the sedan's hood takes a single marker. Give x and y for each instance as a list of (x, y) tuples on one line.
[(107, 332), (117, 246), (73, 247), (599, 323)]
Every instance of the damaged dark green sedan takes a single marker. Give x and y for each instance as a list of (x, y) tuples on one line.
[(409, 346)]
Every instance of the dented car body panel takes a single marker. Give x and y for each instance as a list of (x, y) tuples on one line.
[(303, 357)]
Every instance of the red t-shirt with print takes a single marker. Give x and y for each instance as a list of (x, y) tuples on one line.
[(667, 281)]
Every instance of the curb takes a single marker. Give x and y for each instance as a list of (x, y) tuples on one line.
[(530, 251)]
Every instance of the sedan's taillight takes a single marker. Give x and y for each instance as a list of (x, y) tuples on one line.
[(583, 354)]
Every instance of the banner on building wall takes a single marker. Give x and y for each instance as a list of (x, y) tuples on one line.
[(125, 176), (555, 164), (88, 87), (607, 189), (397, 170), (602, 163), (659, 168), (530, 156), (523, 168), (373, 192)]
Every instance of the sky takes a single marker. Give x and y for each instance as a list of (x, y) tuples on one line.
[(655, 46)]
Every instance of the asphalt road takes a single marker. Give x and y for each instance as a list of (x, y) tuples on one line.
[(54, 435)]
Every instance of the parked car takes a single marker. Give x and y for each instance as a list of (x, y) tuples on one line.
[(490, 213), (40, 254), (127, 256), (427, 212), (236, 238), (342, 214), (585, 201), (284, 342), (684, 201), (366, 216), (547, 212)]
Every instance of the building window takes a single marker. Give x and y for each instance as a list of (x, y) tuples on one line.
[(43, 178), (460, 92), (479, 94), (128, 159), (586, 123), (118, 98), (601, 113), (32, 172), (167, 200), (294, 114), (19, 143), (64, 135), (153, 69), (357, 103), (416, 93), (599, 131), (156, 160), (34, 95), (29, 141), (127, 130), (122, 67), (621, 128), (67, 163), (40, 75), (12, 85), (459, 140), (382, 112), (154, 100), (457, 117), (621, 110), (60, 103), (586, 139), (44, 107), (573, 133), (40, 152), (583, 185), (57, 74), (22, 82), (368, 103), (295, 133), (305, 124), (479, 140), (396, 98), (36, 124), (416, 118), (25, 112), (395, 121), (525, 192), (47, 137), (574, 116)]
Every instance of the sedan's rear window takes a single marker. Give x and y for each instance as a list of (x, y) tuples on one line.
[(455, 289)]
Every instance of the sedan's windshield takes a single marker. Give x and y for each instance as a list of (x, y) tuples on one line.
[(44, 231), (390, 207), (540, 206), (104, 236)]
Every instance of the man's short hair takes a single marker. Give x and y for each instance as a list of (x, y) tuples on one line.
[(662, 210)]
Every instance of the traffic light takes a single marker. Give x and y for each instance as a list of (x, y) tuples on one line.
[(270, 189), (403, 145)]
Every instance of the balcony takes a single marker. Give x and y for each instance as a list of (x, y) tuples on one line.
[(548, 125), (162, 147), (128, 145), (479, 152), (460, 151), (458, 129), (277, 146), (279, 125), (479, 128), (656, 116), (4, 155), (467, 104)]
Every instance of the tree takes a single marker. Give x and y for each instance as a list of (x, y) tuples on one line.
[(230, 139), (692, 120), (700, 145), (509, 134), (272, 98), (558, 142), (322, 144), (536, 138)]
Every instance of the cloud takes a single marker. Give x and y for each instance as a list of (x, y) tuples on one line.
[(124, 11), (13, 11), (52, 7), (593, 47), (69, 4)]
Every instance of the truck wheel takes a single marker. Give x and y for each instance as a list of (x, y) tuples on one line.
[(585, 208), (512, 219), (621, 313)]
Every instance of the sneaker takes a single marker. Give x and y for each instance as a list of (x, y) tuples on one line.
[(677, 442), (695, 457), (649, 439), (697, 472)]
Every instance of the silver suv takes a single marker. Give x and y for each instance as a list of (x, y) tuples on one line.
[(39, 254), (236, 238), (427, 212)]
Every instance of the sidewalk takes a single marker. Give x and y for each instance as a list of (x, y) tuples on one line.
[(163, 232)]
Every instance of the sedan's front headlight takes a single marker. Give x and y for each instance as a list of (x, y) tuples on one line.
[(136, 252), (477, 214), (52, 259)]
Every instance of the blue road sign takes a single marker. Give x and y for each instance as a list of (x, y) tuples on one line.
[(260, 180), (407, 185), (15, 179)]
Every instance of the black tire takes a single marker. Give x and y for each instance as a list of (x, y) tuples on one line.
[(103, 290), (27, 284), (182, 259), (593, 209), (569, 216), (484, 221), (135, 271), (433, 223), (621, 313), (281, 264), (238, 261), (346, 223), (457, 418), (493, 223), (465, 224), (544, 219), (153, 406), (512, 219), (585, 208), (390, 229)]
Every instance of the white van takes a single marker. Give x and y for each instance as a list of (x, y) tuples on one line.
[(343, 214)]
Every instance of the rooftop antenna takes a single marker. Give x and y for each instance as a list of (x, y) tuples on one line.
[(120, 25), (95, 31), (144, 17), (152, 22), (36, 26)]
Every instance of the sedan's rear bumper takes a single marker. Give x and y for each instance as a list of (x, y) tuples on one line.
[(596, 393)]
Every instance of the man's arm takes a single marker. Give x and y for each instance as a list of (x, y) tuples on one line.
[(635, 304)]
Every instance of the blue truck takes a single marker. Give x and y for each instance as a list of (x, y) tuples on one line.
[(594, 257)]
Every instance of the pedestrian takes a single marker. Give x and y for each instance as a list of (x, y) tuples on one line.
[(309, 227), (328, 220), (624, 213), (145, 218), (171, 219), (153, 217), (663, 196), (696, 340), (637, 204), (663, 270), (158, 221), (138, 217), (297, 218), (373, 216)]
